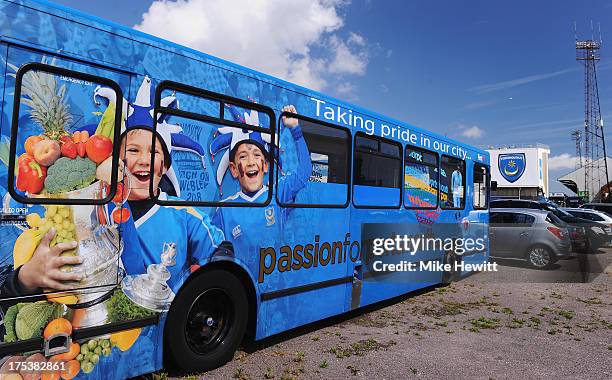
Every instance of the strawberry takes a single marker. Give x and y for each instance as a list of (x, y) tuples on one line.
[(66, 139), (69, 149), (81, 149)]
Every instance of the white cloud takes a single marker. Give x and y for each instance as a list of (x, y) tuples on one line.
[(275, 36), (349, 58), (345, 88), (473, 132), (519, 81), (562, 161)]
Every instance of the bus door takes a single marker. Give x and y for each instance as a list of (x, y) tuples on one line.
[(59, 172), (308, 279), (477, 225)]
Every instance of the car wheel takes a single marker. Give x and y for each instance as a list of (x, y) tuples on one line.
[(450, 257), (540, 257), (206, 322)]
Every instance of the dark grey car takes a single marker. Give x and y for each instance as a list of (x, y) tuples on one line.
[(534, 235)]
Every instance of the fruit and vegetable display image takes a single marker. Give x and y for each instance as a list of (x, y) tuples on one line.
[(58, 161)]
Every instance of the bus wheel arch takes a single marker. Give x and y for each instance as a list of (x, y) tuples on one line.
[(207, 320), (452, 258)]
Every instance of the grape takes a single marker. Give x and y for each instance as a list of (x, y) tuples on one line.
[(84, 350), (106, 351), (51, 211), (105, 343), (80, 357), (66, 224), (94, 358), (58, 219), (64, 212), (98, 350), (92, 344)]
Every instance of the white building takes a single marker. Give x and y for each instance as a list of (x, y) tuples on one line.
[(520, 171), (575, 181)]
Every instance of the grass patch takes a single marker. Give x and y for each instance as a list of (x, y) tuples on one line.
[(517, 323), (590, 301), (568, 314), (484, 323), (360, 348)]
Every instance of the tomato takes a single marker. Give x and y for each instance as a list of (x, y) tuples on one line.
[(99, 148), (121, 215)]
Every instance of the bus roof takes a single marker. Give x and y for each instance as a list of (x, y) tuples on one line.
[(80, 17)]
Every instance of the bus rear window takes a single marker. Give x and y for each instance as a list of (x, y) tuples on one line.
[(481, 186)]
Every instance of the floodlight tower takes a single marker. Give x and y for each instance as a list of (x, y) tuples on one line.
[(595, 161), (577, 137)]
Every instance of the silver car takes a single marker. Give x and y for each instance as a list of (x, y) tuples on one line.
[(537, 236)]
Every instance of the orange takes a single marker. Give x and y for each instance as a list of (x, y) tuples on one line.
[(75, 349), (57, 326), (71, 369), (125, 339), (30, 142)]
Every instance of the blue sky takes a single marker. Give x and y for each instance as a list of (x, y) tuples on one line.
[(485, 72)]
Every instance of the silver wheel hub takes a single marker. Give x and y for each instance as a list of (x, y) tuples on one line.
[(539, 257)]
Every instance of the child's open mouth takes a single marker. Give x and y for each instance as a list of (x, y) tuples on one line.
[(142, 176), (252, 173)]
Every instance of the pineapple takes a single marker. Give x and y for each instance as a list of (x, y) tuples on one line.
[(46, 100)]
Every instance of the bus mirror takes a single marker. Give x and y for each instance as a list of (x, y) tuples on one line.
[(493, 185)]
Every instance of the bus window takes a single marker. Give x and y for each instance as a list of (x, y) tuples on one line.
[(420, 178), (64, 147), (220, 139), (377, 171), (452, 183), (326, 159), (481, 187)]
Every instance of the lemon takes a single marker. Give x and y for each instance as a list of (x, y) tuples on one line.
[(24, 247), (33, 220)]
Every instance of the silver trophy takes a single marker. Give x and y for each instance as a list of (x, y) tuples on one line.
[(151, 290)]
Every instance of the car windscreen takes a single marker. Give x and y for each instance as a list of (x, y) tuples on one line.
[(552, 218), (557, 211)]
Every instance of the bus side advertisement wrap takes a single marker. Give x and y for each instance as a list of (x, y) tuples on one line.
[(159, 204)]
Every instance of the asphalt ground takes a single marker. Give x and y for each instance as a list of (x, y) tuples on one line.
[(515, 323)]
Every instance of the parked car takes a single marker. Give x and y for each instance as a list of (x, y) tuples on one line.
[(604, 232), (605, 207), (577, 227), (527, 234)]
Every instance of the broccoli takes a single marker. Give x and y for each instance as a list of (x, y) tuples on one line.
[(68, 174)]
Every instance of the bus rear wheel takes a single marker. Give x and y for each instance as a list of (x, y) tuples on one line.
[(452, 275), (206, 322)]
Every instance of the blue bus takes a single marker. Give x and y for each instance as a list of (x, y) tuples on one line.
[(160, 204)]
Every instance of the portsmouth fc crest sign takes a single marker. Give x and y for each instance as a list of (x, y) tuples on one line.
[(512, 166)]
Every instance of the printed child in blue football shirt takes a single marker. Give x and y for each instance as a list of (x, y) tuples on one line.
[(457, 187), (191, 231), (250, 228)]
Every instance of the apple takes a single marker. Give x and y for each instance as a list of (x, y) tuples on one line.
[(99, 148), (46, 152)]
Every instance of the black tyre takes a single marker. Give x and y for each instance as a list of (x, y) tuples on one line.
[(540, 257), (206, 322), (452, 275)]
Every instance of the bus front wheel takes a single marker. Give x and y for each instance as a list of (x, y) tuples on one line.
[(206, 322)]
